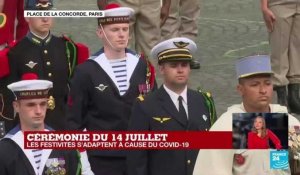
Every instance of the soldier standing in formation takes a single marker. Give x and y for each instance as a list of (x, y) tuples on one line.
[(49, 57), (31, 101), (104, 88), (282, 18), (255, 87), (173, 107)]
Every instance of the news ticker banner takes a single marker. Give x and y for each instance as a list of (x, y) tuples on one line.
[(127, 140), (64, 13)]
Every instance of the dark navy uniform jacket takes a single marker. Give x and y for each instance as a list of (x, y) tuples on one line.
[(15, 160), (95, 102), (145, 117), (48, 60)]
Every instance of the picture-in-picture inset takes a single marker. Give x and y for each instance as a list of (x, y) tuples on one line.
[(260, 131)]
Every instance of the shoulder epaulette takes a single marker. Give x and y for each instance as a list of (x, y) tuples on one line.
[(77, 53), (4, 63), (209, 102)]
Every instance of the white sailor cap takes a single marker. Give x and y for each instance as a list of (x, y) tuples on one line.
[(113, 14), (253, 65), (175, 49), (30, 89)]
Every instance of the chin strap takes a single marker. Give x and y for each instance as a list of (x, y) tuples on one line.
[(111, 45)]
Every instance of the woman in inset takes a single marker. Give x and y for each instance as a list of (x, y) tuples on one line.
[(258, 137)]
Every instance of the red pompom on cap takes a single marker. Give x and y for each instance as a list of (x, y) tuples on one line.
[(112, 6), (29, 76)]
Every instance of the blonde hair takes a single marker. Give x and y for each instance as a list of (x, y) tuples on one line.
[(263, 129)]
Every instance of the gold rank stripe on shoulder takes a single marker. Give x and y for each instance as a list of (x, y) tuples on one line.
[(162, 119)]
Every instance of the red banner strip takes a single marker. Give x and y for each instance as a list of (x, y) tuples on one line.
[(127, 140)]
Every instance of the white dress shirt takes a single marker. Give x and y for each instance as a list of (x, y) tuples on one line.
[(174, 97)]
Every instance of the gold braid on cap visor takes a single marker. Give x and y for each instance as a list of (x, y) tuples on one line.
[(176, 53)]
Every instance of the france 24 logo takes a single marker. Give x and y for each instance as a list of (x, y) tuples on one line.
[(279, 160)]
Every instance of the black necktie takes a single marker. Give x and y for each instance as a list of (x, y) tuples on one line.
[(181, 110)]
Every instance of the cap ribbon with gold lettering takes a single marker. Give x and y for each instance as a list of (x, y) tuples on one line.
[(114, 14), (30, 88)]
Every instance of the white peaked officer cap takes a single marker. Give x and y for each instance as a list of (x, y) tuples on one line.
[(253, 65), (175, 49)]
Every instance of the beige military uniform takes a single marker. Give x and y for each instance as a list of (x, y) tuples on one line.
[(221, 162), (182, 20), (144, 25), (285, 41)]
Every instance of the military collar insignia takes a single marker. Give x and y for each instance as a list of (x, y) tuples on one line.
[(204, 117), (48, 38), (181, 44), (101, 87), (31, 64), (162, 119), (36, 40)]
